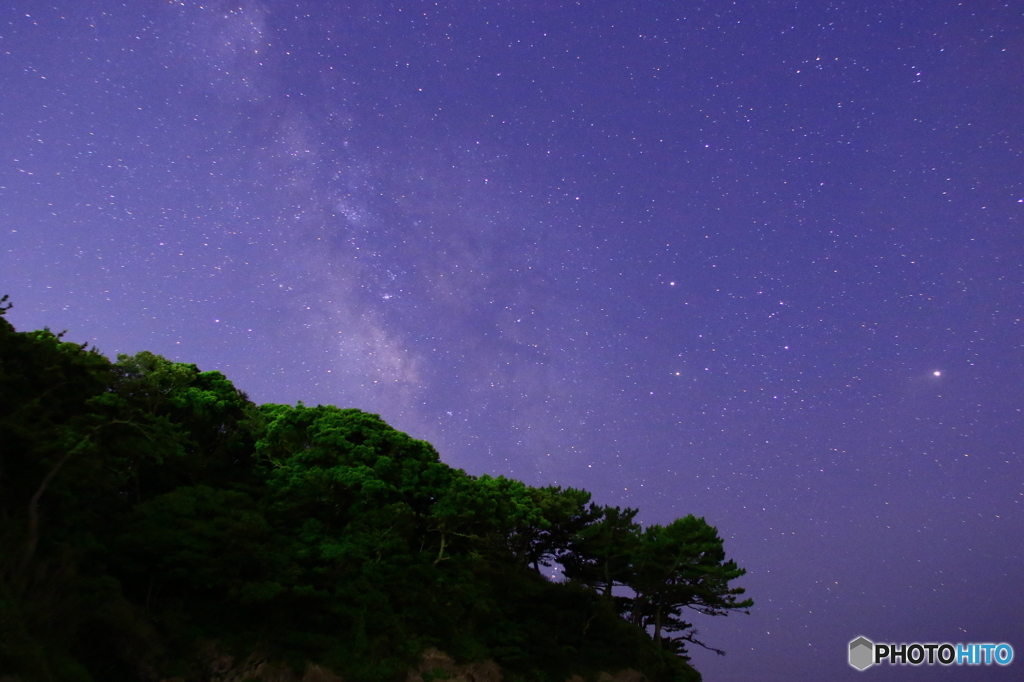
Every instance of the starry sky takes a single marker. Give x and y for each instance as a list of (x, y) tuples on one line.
[(755, 260)]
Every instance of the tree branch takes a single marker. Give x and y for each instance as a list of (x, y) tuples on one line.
[(33, 504)]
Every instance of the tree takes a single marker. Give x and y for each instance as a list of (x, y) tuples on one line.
[(203, 410), (560, 515), (682, 566), (50, 392), (601, 553), (487, 516), (148, 508)]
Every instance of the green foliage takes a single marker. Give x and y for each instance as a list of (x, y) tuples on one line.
[(682, 565), (149, 511), (601, 553)]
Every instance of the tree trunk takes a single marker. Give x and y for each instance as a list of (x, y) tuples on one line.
[(33, 514), (440, 550), (657, 626)]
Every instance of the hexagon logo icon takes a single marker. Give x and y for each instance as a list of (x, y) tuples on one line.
[(862, 653)]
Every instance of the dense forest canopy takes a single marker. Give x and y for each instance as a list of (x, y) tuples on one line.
[(150, 511)]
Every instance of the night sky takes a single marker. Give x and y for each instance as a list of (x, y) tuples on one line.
[(759, 261)]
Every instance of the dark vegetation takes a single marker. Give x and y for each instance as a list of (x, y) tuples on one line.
[(148, 509)]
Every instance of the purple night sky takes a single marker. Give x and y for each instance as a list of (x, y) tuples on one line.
[(759, 261)]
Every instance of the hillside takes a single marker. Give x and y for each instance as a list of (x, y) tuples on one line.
[(155, 521)]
